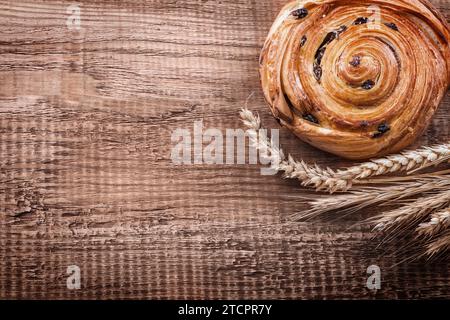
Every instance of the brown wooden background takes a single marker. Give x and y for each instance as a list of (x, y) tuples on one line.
[(86, 177)]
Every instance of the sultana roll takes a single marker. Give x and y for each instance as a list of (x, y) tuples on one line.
[(356, 78)]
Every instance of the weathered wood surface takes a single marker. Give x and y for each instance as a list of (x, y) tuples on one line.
[(86, 178)]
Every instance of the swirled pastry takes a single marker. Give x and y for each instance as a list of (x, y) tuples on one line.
[(357, 78)]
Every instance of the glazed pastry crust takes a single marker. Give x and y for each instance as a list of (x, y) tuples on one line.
[(359, 79)]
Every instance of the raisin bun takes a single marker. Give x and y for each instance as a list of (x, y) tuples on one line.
[(357, 78)]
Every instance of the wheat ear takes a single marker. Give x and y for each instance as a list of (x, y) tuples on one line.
[(439, 221), (439, 245), (409, 162), (411, 214), (365, 197), (412, 160), (310, 176), (342, 180)]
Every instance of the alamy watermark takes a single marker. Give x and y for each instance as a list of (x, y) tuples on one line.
[(73, 21), (374, 279), (73, 281), (213, 146)]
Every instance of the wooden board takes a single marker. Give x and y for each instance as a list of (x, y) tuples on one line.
[(86, 118)]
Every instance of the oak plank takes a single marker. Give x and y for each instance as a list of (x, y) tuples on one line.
[(86, 118)]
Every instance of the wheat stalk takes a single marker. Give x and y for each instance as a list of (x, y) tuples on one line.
[(439, 221), (365, 197), (438, 246), (342, 180), (308, 175), (411, 214)]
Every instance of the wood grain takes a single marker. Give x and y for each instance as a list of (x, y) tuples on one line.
[(86, 118)]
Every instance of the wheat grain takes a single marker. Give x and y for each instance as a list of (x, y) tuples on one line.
[(439, 221), (438, 246), (250, 120)]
